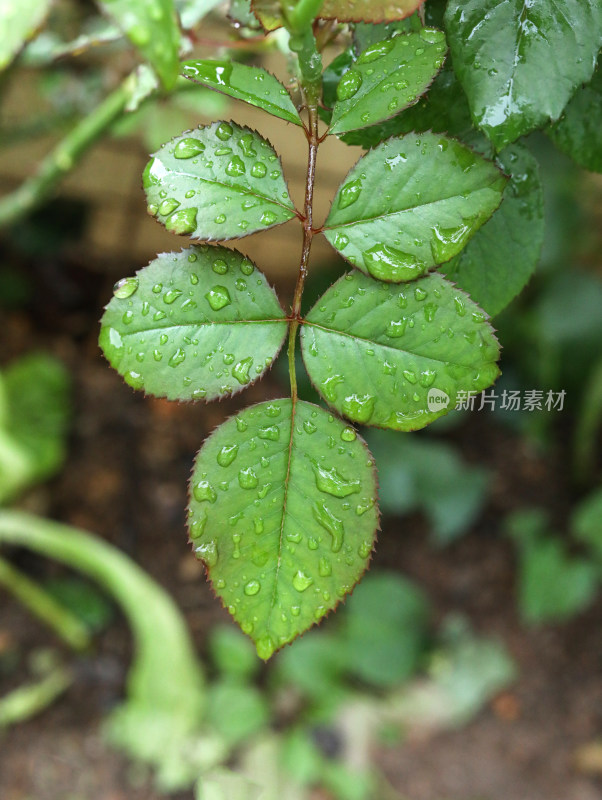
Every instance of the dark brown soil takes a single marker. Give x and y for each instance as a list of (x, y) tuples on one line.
[(125, 479)]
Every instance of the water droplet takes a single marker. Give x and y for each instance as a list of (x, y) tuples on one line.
[(341, 241), (271, 432), (125, 288), (410, 376), (224, 131), (448, 241), (168, 206), (208, 552), (312, 543), (218, 297), (329, 387), (375, 51), (295, 537), (252, 588), (220, 219), (349, 193), (247, 478), (309, 427), (332, 482), (246, 145), (259, 170), (419, 51), (349, 84), (240, 371), (157, 288), (171, 295), (460, 306), (359, 407), (265, 647), (246, 267), (431, 35), (364, 549), (420, 293), (268, 218), (188, 148), (227, 455), (301, 581), (295, 610), (241, 425), (177, 358), (332, 524), (258, 525), (348, 434), (235, 167), (203, 491), (272, 410), (430, 309), (388, 263), (183, 221)]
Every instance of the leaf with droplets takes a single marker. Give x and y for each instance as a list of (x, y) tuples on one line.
[(151, 25), (283, 513), (412, 203), (198, 324), (519, 62), (251, 84), (387, 77), (219, 182), (502, 256), (579, 131), (269, 12), (397, 356), (19, 22)]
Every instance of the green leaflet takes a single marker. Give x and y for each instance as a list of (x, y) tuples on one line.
[(397, 356), (218, 182), (198, 324), (412, 203), (251, 84), (19, 22), (579, 131), (520, 61), (283, 513), (152, 25), (502, 256), (387, 77), (444, 109)]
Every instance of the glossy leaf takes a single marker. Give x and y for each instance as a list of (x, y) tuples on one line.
[(387, 76), (366, 33), (444, 109), (500, 259), (241, 15), (397, 356), (412, 203), (19, 22), (218, 182), (283, 513), (151, 25), (269, 12), (519, 61), (579, 131), (198, 324), (251, 84)]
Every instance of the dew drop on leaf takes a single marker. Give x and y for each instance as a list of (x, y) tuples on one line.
[(252, 588), (240, 371), (332, 482), (375, 51), (259, 170), (350, 192), (236, 167), (359, 407), (125, 288), (218, 297), (349, 85), (208, 553), (224, 131), (301, 581), (247, 478), (389, 263), (203, 491), (348, 434), (227, 454), (188, 148)]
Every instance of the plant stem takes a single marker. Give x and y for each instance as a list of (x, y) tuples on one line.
[(308, 233), (44, 606), (65, 155)]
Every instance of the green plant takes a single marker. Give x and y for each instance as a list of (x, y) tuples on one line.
[(283, 504)]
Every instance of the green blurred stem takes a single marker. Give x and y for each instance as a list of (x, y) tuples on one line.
[(301, 15), (65, 155), (29, 700), (44, 606)]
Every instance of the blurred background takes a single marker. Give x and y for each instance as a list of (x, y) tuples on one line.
[(467, 665)]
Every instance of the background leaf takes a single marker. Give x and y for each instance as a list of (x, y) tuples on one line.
[(579, 131), (283, 514), (519, 62), (386, 77), (411, 203), (19, 22), (269, 13), (152, 25), (218, 182), (198, 324), (498, 262), (376, 352), (251, 84)]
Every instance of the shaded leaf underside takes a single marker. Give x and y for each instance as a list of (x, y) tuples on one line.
[(283, 513)]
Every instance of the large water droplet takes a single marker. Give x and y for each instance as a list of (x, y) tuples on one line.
[(227, 455), (265, 647), (246, 145), (188, 148), (271, 432), (125, 288), (218, 297), (329, 387), (388, 263), (447, 242), (177, 357), (268, 218), (208, 552), (375, 51), (247, 478), (301, 581), (236, 167), (203, 491), (259, 170), (359, 407), (349, 193), (240, 370), (183, 221), (171, 295), (252, 588), (348, 434), (224, 131), (332, 524), (397, 328), (168, 206), (349, 84), (332, 482)]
